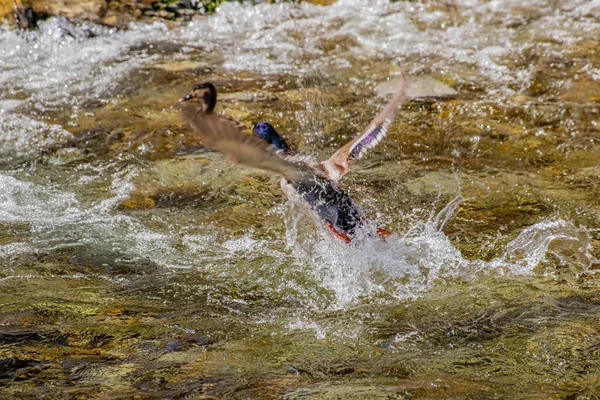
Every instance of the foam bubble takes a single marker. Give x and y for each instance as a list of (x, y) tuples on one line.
[(408, 265)]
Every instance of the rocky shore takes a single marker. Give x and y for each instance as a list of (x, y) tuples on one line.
[(25, 14), (118, 13)]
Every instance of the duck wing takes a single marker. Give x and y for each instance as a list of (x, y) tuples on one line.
[(339, 163), (236, 143)]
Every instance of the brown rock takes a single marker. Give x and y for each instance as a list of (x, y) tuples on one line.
[(110, 19), (165, 14), (418, 87), (137, 201), (88, 10), (583, 92)]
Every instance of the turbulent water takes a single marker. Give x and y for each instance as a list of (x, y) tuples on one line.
[(134, 262)]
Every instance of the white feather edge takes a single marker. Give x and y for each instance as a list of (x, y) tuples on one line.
[(375, 141), (296, 158)]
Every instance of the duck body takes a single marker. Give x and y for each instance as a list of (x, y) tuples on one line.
[(315, 184), (334, 207)]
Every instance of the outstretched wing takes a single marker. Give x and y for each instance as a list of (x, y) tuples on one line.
[(339, 163), (227, 136)]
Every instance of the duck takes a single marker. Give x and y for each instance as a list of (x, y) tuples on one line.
[(313, 183)]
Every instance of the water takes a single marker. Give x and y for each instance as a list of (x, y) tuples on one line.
[(134, 263)]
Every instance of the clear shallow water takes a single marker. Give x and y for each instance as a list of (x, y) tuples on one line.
[(132, 265)]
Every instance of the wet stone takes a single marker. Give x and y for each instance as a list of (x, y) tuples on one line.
[(138, 263), (419, 87), (16, 336), (15, 368), (583, 92)]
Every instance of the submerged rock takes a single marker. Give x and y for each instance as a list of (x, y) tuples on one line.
[(181, 66), (418, 87), (66, 156), (583, 92)]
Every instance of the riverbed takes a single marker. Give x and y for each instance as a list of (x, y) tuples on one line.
[(135, 262)]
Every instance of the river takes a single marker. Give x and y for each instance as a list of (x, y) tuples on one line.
[(136, 263)]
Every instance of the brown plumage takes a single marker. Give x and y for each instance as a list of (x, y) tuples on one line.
[(315, 184), (233, 139)]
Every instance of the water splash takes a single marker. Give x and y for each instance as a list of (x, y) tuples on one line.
[(313, 269), (406, 266), (418, 259), (556, 237), (64, 66)]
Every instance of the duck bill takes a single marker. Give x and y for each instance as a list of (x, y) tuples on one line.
[(186, 98)]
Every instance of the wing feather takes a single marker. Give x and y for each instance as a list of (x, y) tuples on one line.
[(228, 137), (369, 138)]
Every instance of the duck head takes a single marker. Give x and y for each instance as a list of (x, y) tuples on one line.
[(205, 91), (266, 132)]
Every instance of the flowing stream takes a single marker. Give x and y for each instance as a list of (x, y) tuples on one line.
[(136, 263)]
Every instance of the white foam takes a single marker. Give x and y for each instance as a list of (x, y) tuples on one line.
[(53, 68), (406, 266), (60, 67), (402, 267)]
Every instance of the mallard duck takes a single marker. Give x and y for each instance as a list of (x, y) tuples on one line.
[(316, 184)]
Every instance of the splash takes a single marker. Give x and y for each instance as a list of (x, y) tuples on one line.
[(476, 36), (405, 266), (402, 266), (557, 237), (65, 66), (312, 268)]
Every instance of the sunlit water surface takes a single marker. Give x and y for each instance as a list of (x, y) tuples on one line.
[(136, 263)]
